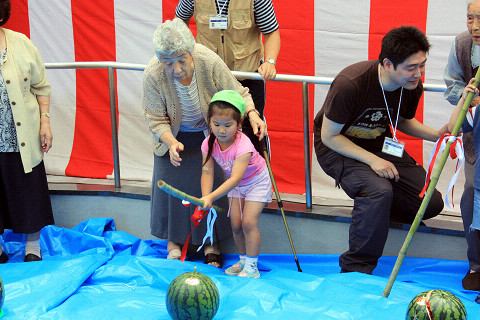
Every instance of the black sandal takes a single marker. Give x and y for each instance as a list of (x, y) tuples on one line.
[(212, 257), (3, 257)]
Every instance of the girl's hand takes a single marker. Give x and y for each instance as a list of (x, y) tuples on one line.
[(470, 88), (175, 153), (207, 202)]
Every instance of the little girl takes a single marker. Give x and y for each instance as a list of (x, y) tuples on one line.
[(248, 186)]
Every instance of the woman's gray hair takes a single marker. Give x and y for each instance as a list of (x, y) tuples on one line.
[(172, 36)]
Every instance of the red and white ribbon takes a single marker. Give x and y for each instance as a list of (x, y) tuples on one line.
[(196, 218), (456, 151), (470, 116)]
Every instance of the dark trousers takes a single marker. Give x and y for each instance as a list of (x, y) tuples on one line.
[(377, 201), (257, 90), (466, 207), (24, 197)]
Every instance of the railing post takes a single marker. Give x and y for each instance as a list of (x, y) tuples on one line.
[(113, 119), (306, 146)]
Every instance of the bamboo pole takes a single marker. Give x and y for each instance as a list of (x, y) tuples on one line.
[(182, 195), (430, 190)]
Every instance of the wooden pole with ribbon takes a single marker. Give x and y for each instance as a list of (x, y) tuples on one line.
[(182, 195), (430, 190)]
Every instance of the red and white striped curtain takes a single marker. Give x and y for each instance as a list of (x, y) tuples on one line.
[(319, 38)]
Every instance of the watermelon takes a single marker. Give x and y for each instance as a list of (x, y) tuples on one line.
[(2, 297), (193, 296), (436, 305)]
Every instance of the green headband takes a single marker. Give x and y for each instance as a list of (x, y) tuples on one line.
[(232, 97)]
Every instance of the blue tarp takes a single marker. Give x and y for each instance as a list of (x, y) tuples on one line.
[(95, 272)]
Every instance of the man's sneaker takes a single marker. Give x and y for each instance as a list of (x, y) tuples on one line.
[(251, 273), (235, 269)]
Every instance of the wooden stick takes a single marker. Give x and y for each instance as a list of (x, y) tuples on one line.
[(279, 202), (182, 195), (430, 190)]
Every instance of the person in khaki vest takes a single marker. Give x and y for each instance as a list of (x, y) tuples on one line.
[(462, 65), (233, 29)]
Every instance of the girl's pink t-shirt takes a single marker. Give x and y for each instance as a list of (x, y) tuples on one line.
[(226, 158)]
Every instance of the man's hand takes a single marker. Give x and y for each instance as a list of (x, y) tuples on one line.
[(267, 71), (385, 169)]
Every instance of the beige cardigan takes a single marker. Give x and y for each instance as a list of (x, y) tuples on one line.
[(25, 77), (161, 105)]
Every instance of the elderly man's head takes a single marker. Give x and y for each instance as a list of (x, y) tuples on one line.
[(473, 20)]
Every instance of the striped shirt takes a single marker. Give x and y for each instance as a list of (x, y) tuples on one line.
[(192, 118), (263, 11)]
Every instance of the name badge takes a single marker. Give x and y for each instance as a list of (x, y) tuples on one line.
[(392, 147), (219, 22)]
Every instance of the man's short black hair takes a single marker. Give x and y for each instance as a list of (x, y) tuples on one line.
[(400, 43), (5, 8)]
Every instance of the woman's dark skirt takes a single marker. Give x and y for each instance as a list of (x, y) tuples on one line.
[(170, 219), (24, 197)]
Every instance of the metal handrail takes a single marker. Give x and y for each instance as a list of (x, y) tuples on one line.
[(305, 80)]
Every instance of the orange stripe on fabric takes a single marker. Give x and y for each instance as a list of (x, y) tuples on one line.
[(94, 39), (19, 17), (385, 15)]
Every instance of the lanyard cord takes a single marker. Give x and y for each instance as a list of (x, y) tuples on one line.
[(386, 104)]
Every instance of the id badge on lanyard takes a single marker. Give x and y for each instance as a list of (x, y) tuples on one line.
[(218, 22), (392, 147)]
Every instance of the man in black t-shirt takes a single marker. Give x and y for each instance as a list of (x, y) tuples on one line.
[(356, 143)]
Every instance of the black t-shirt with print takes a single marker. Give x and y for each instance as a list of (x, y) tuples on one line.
[(355, 99)]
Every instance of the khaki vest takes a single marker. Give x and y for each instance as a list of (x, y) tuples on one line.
[(240, 46)]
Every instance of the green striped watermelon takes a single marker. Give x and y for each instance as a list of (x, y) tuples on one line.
[(436, 305), (193, 296)]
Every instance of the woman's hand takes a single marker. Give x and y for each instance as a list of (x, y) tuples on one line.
[(46, 137), (258, 125), (174, 151)]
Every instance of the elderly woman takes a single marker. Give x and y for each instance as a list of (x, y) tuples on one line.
[(178, 84), (25, 135)]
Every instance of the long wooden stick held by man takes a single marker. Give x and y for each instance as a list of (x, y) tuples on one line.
[(430, 190)]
